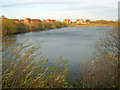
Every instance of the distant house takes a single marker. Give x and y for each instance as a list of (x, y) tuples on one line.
[(35, 20), (16, 20), (50, 21), (79, 21), (67, 20), (53, 20), (27, 21), (22, 21)]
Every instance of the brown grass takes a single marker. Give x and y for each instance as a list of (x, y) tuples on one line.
[(92, 25)]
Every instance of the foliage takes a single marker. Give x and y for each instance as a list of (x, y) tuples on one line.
[(87, 20), (10, 27), (19, 70), (45, 26), (60, 24), (102, 70), (109, 45), (21, 27), (103, 22)]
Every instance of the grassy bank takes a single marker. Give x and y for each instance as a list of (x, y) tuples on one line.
[(93, 25)]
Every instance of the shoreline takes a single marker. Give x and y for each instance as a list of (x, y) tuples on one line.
[(94, 25), (33, 31), (82, 25)]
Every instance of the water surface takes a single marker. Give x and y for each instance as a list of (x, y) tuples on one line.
[(75, 44)]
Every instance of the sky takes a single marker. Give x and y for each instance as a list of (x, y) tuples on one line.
[(60, 9)]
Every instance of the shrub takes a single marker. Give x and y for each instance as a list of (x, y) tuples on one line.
[(9, 27)]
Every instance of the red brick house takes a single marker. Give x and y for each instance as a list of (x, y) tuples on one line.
[(53, 20), (16, 20), (79, 21), (22, 21), (67, 20), (27, 21), (50, 21), (35, 20)]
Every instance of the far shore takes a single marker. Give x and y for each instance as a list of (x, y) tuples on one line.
[(16, 26), (74, 25), (11, 27), (93, 25)]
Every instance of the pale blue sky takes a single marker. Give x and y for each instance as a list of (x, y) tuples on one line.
[(54, 9)]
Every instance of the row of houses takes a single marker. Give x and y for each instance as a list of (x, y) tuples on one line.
[(78, 21), (29, 20)]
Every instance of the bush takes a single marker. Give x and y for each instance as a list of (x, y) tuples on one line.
[(9, 27), (21, 27), (60, 24)]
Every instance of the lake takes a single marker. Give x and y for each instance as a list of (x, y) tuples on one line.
[(74, 44)]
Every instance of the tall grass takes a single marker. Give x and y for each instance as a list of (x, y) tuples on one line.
[(93, 25), (102, 70), (19, 70)]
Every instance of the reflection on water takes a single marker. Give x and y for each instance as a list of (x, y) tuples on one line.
[(72, 43)]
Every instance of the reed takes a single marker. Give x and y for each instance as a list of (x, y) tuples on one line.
[(19, 70), (102, 70)]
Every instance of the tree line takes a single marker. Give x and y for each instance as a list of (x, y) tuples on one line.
[(11, 27)]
